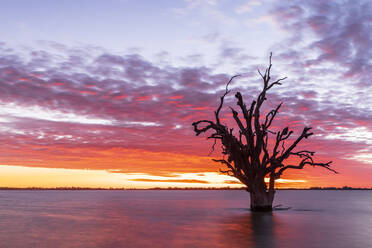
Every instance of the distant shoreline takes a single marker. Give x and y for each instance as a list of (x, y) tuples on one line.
[(177, 188)]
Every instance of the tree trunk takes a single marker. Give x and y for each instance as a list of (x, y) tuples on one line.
[(261, 200)]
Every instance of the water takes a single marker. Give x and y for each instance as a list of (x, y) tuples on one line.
[(183, 219)]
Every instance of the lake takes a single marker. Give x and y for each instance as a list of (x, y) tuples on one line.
[(183, 218)]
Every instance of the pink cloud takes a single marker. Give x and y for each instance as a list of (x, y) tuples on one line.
[(142, 104)]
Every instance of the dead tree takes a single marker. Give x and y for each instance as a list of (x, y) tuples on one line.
[(249, 157)]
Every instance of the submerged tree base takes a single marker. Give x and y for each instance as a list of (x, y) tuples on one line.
[(268, 208), (261, 199)]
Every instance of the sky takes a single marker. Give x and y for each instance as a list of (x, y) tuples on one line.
[(101, 93)]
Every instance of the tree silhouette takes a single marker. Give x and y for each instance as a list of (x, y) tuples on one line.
[(249, 158)]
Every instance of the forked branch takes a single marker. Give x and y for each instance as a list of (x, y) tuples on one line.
[(251, 159)]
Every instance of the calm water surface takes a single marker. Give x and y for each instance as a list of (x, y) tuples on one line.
[(183, 219)]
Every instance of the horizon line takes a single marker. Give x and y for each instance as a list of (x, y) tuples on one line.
[(178, 188)]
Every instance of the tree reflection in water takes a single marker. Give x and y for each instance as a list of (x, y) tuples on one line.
[(253, 229)]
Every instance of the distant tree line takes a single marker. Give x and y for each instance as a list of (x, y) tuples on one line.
[(182, 188)]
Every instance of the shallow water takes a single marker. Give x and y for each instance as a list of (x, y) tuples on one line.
[(183, 219)]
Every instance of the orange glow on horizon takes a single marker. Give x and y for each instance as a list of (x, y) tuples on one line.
[(105, 167), (24, 177)]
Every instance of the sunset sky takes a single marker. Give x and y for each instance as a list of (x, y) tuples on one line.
[(102, 93)]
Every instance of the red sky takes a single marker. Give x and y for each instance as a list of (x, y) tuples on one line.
[(95, 110)]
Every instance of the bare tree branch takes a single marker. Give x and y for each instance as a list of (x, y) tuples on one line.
[(227, 91), (250, 160), (301, 166)]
